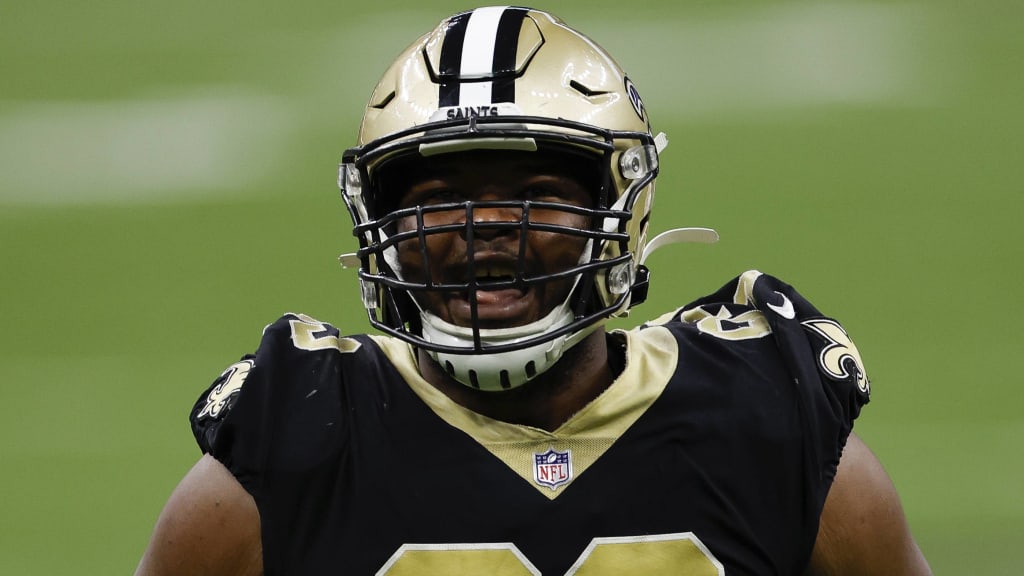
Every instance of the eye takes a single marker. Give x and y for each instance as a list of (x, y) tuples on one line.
[(430, 196), (542, 194), (443, 196), (557, 189)]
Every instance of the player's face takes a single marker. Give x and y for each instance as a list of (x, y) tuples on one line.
[(482, 176)]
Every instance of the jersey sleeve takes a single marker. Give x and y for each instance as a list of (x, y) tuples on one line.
[(259, 416), (826, 368), (214, 411)]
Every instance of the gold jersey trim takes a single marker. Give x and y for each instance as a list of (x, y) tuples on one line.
[(651, 358)]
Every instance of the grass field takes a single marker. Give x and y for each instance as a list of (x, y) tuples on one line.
[(167, 188)]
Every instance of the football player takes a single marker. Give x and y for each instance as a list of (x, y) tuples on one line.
[(501, 191)]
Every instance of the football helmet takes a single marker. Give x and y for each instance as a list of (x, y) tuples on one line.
[(517, 79)]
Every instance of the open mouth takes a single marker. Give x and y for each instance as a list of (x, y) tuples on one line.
[(497, 294), (496, 286), (494, 276), (500, 297)]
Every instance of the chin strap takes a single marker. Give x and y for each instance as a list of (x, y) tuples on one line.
[(498, 371), (677, 236), (349, 260), (641, 282)]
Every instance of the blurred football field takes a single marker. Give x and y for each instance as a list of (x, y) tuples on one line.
[(167, 189)]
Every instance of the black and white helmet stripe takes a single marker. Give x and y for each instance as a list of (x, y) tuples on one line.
[(478, 58)]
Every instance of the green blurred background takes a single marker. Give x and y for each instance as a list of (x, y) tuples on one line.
[(167, 188)]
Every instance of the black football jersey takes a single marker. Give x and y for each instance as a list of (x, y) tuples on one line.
[(710, 454)]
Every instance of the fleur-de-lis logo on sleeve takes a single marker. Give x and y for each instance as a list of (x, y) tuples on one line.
[(229, 384), (839, 352)]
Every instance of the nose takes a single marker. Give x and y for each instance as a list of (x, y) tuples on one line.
[(491, 221)]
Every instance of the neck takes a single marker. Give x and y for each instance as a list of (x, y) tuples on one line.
[(547, 401)]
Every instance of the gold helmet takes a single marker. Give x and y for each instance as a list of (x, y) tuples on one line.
[(505, 78)]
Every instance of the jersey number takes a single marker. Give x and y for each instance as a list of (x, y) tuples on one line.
[(311, 334), (728, 326), (659, 554)]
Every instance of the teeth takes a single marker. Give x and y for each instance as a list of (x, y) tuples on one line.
[(496, 271)]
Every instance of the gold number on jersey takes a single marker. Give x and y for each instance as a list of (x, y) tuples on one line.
[(681, 553), (725, 325), (502, 559), (656, 554), (311, 334)]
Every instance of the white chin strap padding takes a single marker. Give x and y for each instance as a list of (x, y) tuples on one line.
[(501, 370)]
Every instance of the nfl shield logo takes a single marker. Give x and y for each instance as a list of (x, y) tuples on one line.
[(552, 468)]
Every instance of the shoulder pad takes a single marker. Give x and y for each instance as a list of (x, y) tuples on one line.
[(826, 368), (297, 358), (837, 356)]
